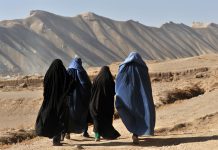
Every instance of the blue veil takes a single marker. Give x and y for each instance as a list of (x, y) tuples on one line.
[(79, 97), (134, 100)]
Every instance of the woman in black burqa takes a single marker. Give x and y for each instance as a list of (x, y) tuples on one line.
[(102, 105), (51, 117)]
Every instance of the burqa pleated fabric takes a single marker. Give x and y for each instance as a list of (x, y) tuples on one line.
[(102, 104), (79, 97), (134, 100), (51, 117)]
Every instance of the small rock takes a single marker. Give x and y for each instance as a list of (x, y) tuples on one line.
[(1, 86), (21, 130), (25, 77), (23, 85), (156, 80), (199, 75), (78, 147), (7, 77)]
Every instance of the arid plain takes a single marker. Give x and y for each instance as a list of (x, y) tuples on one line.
[(185, 92)]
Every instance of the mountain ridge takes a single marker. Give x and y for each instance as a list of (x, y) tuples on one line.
[(29, 45)]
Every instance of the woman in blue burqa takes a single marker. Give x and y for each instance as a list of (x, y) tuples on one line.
[(134, 101), (79, 99), (102, 105), (50, 121)]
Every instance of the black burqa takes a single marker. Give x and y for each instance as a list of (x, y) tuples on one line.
[(102, 104), (51, 117)]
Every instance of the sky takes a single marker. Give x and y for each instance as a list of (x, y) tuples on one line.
[(148, 12)]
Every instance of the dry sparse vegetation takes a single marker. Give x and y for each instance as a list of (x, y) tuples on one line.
[(182, 94)]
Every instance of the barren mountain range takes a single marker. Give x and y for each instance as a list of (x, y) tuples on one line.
[(29, 45)]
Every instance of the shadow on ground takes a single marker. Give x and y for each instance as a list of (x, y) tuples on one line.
[(158, 142)]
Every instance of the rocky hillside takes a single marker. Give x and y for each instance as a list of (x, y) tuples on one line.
[(29, 45)]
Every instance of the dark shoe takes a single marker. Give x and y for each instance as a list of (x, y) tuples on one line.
[(85, 134), (67, 136), (56, 140), (135, 139), (57, 144)]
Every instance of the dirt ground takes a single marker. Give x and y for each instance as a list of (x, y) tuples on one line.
[(185, 92)]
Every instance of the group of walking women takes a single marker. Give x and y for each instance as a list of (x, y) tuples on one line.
[(71, 101)]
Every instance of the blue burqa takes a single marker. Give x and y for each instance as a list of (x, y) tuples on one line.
[(79, 97), (134, 101)]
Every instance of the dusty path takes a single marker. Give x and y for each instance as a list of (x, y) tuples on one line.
[(184, 125), (198, 140), (19, 104), (201, 131)]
